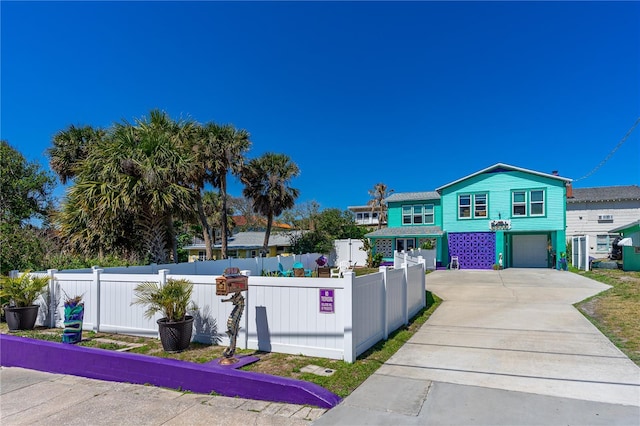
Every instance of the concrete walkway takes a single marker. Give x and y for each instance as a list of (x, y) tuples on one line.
[(504, 348), (29, 397)]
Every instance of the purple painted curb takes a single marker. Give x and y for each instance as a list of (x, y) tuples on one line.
[(170, 373)]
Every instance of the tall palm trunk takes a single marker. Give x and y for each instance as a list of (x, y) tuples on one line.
[(265, 245), (206, 230), (223, 199)]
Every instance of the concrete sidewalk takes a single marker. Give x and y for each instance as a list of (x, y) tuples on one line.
[(505, 347), (29, 397)]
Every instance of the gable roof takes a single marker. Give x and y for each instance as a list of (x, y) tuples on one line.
[(605, 193), (412, 196), (498, 167)]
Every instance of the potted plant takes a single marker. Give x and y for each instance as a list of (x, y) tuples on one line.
[(73, 317), (171, 300), (21, 293)]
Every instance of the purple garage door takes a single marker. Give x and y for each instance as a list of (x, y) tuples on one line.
[(475, 250)]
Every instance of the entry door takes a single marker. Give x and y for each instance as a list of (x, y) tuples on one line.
[(529, 251), (405, 244)]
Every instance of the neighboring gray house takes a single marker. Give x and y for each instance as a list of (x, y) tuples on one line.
[(595, 211)]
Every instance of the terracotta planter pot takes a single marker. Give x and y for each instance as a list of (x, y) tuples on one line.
[(21, 318), (175, 336)]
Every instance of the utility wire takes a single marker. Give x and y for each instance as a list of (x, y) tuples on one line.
[(622, 141)]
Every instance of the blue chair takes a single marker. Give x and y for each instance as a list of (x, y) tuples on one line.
[(282, 271)]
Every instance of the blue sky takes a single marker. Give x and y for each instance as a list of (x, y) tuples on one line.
[(412, 94)]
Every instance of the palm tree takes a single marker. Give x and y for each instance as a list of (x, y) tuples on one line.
[(70, 148), (379, 193), (266, 181), (139, 171), (227, 148)]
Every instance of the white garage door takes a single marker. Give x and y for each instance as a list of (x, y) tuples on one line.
[(529, 251)]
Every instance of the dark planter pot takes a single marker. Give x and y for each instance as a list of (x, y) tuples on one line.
[(73, 317), (175, 336), (21, 318)]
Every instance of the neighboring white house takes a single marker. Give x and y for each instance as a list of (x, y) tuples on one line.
[(595, 211), (365, 216)]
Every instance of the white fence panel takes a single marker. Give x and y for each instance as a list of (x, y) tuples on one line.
[(368, 306), (416, 289), (71, 285), (284, 316), (396, 297)]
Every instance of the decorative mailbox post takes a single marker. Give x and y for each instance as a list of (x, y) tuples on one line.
[(232, 282)]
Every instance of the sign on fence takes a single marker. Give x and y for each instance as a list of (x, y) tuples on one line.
[(327, 301)]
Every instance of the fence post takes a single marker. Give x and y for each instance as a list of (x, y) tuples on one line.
[(423, 279), (405, 293), (385, 308), (349, 343), (95, 317), (162, 276), (53, 299)]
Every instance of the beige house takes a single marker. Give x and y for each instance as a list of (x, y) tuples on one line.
[(596, 211)]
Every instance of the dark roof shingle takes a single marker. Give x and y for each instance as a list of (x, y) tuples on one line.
[(605, 193)]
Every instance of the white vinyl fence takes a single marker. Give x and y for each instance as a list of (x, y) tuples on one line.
[(415, 256), (336, 318), (580, 252)]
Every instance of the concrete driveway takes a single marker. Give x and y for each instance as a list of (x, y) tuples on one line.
[(505, 347)]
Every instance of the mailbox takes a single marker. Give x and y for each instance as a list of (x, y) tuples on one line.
[(231, 282)]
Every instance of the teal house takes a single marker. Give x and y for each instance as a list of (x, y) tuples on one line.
[(499, 216)]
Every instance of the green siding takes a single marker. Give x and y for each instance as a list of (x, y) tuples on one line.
[(630, 259), (499, 187)]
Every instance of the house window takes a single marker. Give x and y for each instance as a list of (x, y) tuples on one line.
[(480, 205), (202, 255), (428, 214), (536, 203), (375, 215), (519, 203), (464, 206), (417, 215), (406, 215), (602, 244), (365, 216), (359, 216)]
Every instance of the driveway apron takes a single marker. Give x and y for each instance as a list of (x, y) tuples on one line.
[(502, 345)]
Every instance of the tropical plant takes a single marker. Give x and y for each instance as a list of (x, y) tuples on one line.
[(22, 291), (267, 181), (379, 193), (70, 147), (171, 299)]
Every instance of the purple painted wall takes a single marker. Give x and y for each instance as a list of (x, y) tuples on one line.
[(475, 250), (170, 373)]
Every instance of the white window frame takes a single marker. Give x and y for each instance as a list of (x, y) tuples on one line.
[(485, 205), (429, 208), (417, 218), (407, 212), (532, 203), (467, 206), (519, 203)]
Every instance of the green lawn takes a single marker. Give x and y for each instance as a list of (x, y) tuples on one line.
[(616, 312)]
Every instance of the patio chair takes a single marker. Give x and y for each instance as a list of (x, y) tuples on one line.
[(283, 272), (340, 270)]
